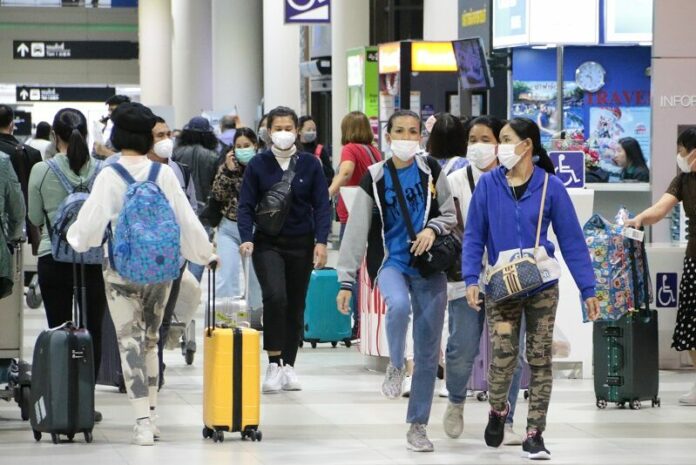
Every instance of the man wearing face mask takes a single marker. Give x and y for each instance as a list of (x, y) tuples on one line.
[(390, 251), (308, 142)]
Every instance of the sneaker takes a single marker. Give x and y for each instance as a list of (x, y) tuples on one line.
[(510, 438), (142, 433), (453, 421), (441, 388), (495, 430), (393, 382), (534, 446), (274, 379), (290, 381), (406, 388), (417, 439), (155, 429), (689, 398)]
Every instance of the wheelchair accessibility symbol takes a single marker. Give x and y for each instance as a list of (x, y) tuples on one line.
[(570, 168), (666, 295)]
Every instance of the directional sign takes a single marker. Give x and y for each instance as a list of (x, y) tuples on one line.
[(74, 50), (64, 94), (307, 11), (570, 168), (22, 123), (666, 295)]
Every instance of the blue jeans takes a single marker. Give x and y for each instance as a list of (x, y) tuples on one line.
[(228, 280), (465, 328), (427, 299)]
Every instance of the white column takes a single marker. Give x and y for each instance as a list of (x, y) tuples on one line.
[(281, 58), (155, 44), (191, 58), (237, 57), (350, 28), (440, 19)]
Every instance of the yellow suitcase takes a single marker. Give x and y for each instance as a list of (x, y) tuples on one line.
[(231, 378)]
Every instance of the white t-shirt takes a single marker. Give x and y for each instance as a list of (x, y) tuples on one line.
[(106, 201)]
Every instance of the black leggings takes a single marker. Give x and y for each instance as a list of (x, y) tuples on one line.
[(167, 319), (283, 266), (56, 283)]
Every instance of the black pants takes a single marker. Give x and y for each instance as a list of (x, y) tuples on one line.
[(167, 319), (56, 283), (283, 266)]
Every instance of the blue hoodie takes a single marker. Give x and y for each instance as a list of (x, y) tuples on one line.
[(499, 223)]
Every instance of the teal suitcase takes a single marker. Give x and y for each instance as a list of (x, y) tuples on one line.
[(323, 321)]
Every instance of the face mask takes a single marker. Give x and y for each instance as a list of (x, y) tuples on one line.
[(263, 135), (405, 150), (480, 154), (164, 148), (507, 156), (309, 137), (683, 164), (245, 154), (283, 140)]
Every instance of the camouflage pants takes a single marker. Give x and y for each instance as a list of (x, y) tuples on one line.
[(504, 329), (137, 312)]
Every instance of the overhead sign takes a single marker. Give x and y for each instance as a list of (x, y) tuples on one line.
[(22, 123), (64, 94), (666, 290), (628, 21), (432, 56), (570, 168), (389, 57), (74, 50), (307, 11)]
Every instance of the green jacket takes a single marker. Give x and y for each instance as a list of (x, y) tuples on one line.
[(12, 212), (46, 193)]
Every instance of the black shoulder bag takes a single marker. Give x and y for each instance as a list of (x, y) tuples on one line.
[(442, 255), (273, 208)]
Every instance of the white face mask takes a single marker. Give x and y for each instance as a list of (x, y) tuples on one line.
[(683, 164), (507, 156), (481, 154), (164, 148), (283, 140), (405, 150)]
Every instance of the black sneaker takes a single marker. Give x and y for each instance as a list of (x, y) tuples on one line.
[(534, 446), (495, 430)]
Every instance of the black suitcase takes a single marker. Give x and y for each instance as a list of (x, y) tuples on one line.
[(626, 354), (110, 372), (62, 391)]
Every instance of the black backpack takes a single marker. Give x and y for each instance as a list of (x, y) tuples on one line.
[(273, 208)]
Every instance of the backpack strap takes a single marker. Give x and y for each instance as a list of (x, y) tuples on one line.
[(62, 178), (98, 165), (317, 151), (154, 172), (123, 172)]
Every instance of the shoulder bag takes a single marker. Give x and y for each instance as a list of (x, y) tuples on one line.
[(273, 208)]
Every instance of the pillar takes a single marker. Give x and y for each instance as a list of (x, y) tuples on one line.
[(155, 44), (191, 58), (440, 19), (237, 57)]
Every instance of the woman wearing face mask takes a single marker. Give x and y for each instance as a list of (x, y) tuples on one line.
[(466, 323), (308, 142), (284, 262), (504, 217), (682, 189), (264, 138), (226, 188), (389, 260)]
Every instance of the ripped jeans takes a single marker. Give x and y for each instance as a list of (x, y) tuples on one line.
[(504, 327)]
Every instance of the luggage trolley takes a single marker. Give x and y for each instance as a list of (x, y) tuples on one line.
[(31, 278), (15, 374)]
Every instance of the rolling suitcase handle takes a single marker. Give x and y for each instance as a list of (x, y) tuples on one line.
[(246, 265), (210, 305), (79, 291)]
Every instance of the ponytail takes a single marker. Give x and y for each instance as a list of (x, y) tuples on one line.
[(525, 128), (70, 126), (544, 161), (78, 152)]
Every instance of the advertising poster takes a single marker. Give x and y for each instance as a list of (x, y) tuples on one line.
[(609, 124)]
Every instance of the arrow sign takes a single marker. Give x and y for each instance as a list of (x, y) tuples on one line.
[(23, 49), (23, 94)]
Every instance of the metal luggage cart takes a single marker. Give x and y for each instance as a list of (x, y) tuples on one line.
[(31, 278), (184, 337), (15, 374)]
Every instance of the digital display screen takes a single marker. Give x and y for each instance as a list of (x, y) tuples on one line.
[(472, 64)]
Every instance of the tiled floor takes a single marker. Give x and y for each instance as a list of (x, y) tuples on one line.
[(341, 419)]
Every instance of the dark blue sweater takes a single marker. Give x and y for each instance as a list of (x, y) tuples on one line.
[(310, 212)]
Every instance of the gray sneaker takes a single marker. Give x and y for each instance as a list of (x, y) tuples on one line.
[(417, 439), (393, 382), (454, 420)]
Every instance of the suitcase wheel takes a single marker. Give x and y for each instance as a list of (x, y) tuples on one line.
[(482, 396), (24, 401), (635, 404), (314, 344), (88, 437), (218, 436), (656, 402), (54, 438), (253, 434), (347, 342), (601, 403), (189, 356), (37, 435), (71, 436), (207, 432), (334, 344)]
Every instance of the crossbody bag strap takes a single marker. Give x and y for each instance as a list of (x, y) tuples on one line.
[(541, 214), (369, 153), (400, 198), (289, 174), (470, 177)]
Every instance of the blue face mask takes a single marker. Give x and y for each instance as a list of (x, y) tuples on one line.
[(245, 154)]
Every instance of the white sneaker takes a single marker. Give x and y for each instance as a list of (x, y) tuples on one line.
[(510, 438), (274, 379), (155, 429), (290, 381), (441, 388), (142, 433), (454, 420), (406, 386), (689, 398)]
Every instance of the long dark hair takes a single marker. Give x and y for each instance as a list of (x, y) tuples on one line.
[(634, 154), (43, 131), (190, 137), (448, 137), (70, 126), (491, 122), (525, 128)]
